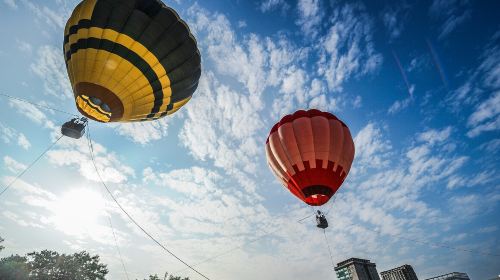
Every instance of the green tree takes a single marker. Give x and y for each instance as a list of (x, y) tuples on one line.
[(1, 247), (170, 277), (14, 268), (50, 265)]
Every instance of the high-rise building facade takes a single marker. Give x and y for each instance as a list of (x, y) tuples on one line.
[(356, 269), (404, 272), (451, 276)]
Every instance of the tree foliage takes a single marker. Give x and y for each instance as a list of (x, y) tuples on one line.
[(14, 267), (170, 277), (50, 265)]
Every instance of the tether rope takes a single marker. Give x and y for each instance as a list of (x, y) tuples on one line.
[(36, 104), (117, 247), (128, 215), (329, 249), (29, 166)]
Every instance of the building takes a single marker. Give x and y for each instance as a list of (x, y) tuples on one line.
[(356, 269), (404, 272), (451, 276)]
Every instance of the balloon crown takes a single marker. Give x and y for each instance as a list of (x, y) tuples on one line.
[(303, 114)]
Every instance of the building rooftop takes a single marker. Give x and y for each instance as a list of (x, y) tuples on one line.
[(407, 266), (353, 260), (459, 275)]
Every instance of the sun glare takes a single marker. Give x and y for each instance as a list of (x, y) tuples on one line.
[(77, 212)]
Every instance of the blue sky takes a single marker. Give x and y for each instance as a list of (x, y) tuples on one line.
[(417, 83)]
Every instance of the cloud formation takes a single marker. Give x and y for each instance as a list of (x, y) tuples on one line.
[(347, 49), (50, 67), (10, 135), (13, 165), (417, 175), (76, 154), (450, 14), (270, 5)]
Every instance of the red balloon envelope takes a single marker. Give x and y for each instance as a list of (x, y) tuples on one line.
[(311, 152)]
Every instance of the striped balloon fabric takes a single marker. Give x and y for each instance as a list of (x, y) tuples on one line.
[(130, 60), (311, 152)]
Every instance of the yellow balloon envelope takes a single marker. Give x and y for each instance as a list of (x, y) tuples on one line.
[(130, 60)]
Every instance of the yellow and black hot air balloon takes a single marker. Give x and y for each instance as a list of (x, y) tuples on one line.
[(130, 60)]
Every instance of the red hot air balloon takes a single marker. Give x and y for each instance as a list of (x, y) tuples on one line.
[(311, 152)]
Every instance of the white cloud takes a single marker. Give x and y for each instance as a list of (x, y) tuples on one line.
[(253, 61), (270, 5), (242, 24), (398, 186), (481, 178), (357, 103), (144, 132), (33, 113), (75, 213), (492, 125), (283, 57), (259, 63), (76, 154), (470, 205), (145, 211), (488, 229), (221, 125), (399, 105), (23, 142), (451, 23), (424, 159), (456, 237), (310, 16), (394, 18), (294, 90), (29, 189), (486, 116), (50, 67), (294, 81), (371, 148), (486, 110), (481, 82), (11, 3), (418, 63), (55, 19), (451, 14), (349, 53), (492, 146), (391, 23), (201, 211), (194, 182), (13, 165), (432, 136), (24, 46), (490, 65), (20, 221), (463, 95), (9, 135), (347, 48), (244, 61)]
